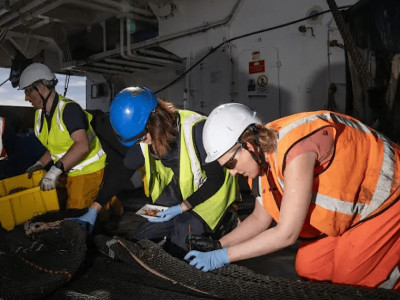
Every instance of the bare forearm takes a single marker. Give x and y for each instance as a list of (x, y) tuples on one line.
[(46, 158), (294, 207), (250, 227), (74, 154), (247, 229), (266, 242)]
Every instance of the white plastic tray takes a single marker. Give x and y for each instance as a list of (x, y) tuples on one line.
[(141, 211)]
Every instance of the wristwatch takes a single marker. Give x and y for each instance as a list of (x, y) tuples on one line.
[(59, 164)]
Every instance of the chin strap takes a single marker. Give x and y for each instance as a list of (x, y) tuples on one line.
[(44, 100)]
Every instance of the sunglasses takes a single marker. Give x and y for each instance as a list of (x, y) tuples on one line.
[(231, 163), (29, 90)]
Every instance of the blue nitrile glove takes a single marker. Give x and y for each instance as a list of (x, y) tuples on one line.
[(87, 220), (208, 261), (167, 214)]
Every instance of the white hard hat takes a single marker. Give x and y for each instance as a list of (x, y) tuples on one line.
[(35, 72), (224, 126)]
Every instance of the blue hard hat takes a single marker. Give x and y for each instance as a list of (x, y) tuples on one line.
[(129, 112)]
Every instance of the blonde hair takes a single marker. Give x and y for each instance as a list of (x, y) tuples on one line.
[(162, 127), (267, 138)]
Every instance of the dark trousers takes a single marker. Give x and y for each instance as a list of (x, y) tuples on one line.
[(175, 231)]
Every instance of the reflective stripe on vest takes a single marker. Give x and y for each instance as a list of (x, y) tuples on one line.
[(83, 164), (95, 159), (358, 183), (198, 175), (383, 188), (187, 156), (190, 178), (392, 280)]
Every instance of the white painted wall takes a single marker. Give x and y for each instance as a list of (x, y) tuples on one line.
[(299, 66)]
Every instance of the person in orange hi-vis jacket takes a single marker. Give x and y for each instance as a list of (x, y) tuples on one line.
[(323, 177)]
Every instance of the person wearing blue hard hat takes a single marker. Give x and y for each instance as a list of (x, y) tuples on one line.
[(129, 114), (167, 143)]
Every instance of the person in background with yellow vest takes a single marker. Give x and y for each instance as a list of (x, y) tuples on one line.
[(63, 127), (167, 142), (321, 176)]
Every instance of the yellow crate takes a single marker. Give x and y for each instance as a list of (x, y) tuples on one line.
[(19, 207)]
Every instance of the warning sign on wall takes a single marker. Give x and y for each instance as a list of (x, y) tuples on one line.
[(257, 66), (262, 81)]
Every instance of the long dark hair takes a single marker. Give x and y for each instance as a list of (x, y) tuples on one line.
[(162, 127)]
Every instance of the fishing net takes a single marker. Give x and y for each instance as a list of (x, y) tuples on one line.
[(143, 270), (53, 258), (39, 257)]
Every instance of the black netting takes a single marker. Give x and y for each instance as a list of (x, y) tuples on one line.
[(34, 266), (108, 279), (229, 282), (60, 262)]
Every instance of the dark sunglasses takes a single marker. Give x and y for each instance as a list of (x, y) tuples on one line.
[(29, 90), (231, 163)]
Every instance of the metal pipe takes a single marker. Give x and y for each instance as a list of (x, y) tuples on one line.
[(133, 54), (103, 26), (122, 39), (119, 68), (121, 6), (159, 40), (159, 54), (8, 17), (39, 24), (55, 4), (101, 70), (101, 5), (132, 63)]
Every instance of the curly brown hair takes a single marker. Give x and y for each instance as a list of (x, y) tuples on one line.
[(162, 127), (267, 137)]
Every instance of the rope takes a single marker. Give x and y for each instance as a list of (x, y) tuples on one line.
[(66, 84), (53, 272), (4, 81)]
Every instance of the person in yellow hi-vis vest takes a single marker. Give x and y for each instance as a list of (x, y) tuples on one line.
[(167, 143), (63, 127)]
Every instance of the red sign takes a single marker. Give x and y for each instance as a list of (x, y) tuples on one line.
[(257, 66)]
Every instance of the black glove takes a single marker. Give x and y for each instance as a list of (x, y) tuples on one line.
[(201, 243)]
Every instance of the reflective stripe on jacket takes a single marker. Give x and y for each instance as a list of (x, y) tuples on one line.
[(58, 140), (359, 182), (191, 174), (3, 152)]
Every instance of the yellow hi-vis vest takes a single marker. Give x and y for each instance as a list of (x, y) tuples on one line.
[(191, 175), (360, 181), (3, 152), (58, 140)]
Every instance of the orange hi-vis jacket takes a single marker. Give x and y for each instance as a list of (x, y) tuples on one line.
[(359, 182)]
